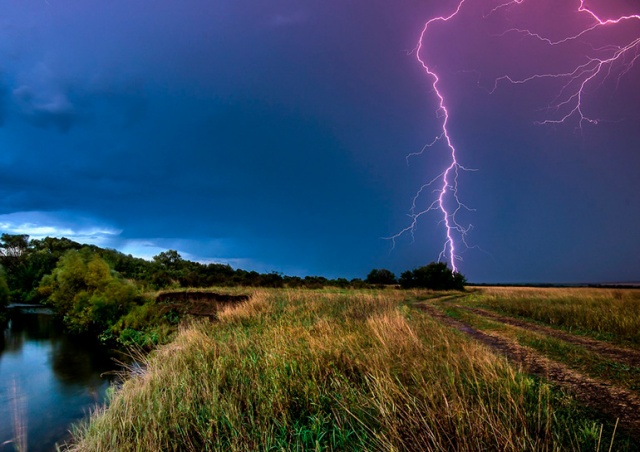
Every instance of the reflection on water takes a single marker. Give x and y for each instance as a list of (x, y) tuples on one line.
[(48, 380)]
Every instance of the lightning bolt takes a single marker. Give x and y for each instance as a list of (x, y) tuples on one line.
[(447, 201), (568, 103)]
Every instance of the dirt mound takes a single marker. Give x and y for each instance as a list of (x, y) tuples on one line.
[(202, 304)]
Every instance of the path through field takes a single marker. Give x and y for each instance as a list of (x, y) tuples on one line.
[(620, 354), (603, 396)]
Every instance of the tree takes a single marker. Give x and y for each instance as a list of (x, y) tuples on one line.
[(4, 290), (381, 276), (27, 261), (170, 268), (170, 260), (13, 246), (13, 255), (435, 276), (86, 292)]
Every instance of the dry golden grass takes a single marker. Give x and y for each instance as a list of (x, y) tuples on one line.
[(255, 307)]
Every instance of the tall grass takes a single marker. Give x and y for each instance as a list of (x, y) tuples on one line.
[(608, 313), (303, 370)]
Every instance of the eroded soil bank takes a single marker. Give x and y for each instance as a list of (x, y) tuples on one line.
[(200, 304)]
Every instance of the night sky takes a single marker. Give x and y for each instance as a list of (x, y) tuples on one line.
[(273, 135)]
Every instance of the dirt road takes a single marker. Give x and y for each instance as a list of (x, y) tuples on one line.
[(615, 402)]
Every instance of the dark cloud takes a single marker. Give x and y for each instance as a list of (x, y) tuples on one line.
[(4, 94), (55, 111)]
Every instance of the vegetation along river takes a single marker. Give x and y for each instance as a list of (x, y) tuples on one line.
[(48, 380)]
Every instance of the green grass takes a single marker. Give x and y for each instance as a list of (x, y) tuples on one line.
[(333, 370), (605, 314), (575, 356)]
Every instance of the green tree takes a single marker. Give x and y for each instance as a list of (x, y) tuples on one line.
[(86, 292), (435, 276), (13, 246), (381, 276), (170, 260), (170, 268), (27, 261), (4, 290), (14, 250)]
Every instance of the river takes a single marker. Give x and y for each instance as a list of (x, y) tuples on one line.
[(48, 380)]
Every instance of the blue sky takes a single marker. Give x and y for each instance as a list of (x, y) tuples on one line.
[(273, 136)]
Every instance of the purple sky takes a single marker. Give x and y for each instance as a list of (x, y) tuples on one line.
[(273, 135)]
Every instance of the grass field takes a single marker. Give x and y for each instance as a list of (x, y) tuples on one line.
[(365, 370), (609, 314)]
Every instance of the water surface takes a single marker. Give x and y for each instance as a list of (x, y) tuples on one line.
[(48, 380)]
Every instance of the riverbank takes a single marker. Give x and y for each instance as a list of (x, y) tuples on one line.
[(336, 369)]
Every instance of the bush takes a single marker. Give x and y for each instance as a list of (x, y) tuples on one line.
[(144, 326), (435, 276)]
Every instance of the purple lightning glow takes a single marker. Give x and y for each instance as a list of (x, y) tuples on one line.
[(568, 103), (570, 99)]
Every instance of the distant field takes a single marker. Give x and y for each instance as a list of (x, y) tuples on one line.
[(612, 314), (486, 369)]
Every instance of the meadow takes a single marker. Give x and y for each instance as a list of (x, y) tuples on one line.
[(610, 314), (386, 369)]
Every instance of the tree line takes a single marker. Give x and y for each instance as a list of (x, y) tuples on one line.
[(434, 276)]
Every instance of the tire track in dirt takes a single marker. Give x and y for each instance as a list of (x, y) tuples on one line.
[(605, 398), (620, 354)]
